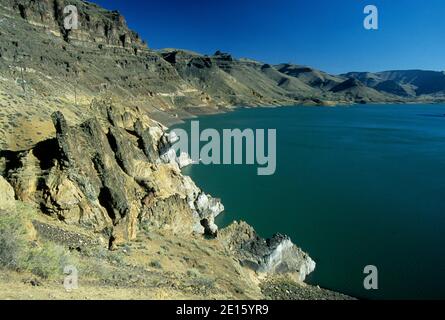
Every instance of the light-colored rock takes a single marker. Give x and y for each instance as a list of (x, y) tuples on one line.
[(63, 198), (7, 197), (184, 160), (2, 166), (207, 209), (169, 154), (277, 255), (24, 179), (169, 157), (294, 258)]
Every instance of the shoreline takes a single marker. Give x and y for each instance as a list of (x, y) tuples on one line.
[(196, 112)]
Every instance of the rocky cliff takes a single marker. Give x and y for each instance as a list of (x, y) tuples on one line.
[(97, 25)]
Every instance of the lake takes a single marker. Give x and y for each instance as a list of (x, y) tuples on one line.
[(354, 186)]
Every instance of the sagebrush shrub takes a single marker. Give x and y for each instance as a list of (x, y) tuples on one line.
[(45, 260)]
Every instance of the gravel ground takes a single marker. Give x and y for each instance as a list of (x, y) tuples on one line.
[(285, 289)]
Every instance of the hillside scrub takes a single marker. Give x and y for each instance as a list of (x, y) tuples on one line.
[(17, 253)]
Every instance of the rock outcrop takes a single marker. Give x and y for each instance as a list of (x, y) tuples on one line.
[(169, 154), (7, 197), (108, 175), (97, 25), (271, 256)]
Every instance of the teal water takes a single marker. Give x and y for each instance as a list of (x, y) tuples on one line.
[(354, 186)]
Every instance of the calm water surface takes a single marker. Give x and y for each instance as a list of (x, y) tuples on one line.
[(354, 186)]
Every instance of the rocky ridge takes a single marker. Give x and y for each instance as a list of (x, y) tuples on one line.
[(45, 68)]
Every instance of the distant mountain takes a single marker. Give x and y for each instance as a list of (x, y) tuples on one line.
[(404, 82), (395, 88), (311, 77), (359, 92), (44, 68), (287, 82)]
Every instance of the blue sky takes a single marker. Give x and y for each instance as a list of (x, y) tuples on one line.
[(325, 34)]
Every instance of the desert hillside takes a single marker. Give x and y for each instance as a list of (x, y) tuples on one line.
[(45, 68)]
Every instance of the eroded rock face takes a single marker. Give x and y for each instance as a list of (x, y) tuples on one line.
[(272, 256), (109, 176), (97, 25), (169, 154)]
